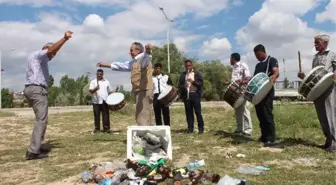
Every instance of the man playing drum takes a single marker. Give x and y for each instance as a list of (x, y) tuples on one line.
[(141, 79), (190, 88), (264, 109), (325, 105), (241, 74), (160, 83), (100, 88)]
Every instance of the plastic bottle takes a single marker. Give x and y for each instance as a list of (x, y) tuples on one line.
[(227, 180), (195, 164), (249, 170), (85, 177)]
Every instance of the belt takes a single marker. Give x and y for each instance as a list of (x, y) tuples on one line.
[(36, 85)]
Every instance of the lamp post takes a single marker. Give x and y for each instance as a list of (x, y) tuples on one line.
[(1, 76), (168, 25)]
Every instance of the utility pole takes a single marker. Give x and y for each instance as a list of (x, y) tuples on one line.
[(168, 42)]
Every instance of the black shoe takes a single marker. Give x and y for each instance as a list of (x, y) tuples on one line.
[(269, 144), (32, 156), (189, 132), (95, 131), (45, 148), (107, 131)]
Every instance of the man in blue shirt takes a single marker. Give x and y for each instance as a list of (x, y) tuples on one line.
[(36, 92)]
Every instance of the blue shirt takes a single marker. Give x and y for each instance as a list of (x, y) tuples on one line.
[(37, 71)]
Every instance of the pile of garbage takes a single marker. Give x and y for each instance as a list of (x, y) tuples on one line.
[(148, 145), (148, 173)]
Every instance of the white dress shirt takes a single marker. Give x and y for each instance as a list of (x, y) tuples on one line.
[(103, 92), (162, 80), (145, 60), (239, 71)]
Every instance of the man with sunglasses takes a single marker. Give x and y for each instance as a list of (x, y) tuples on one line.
[(141, 78)]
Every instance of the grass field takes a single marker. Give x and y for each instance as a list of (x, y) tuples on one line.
[(74, 148)]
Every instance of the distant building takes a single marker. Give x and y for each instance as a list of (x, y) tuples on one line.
[(291, 85)]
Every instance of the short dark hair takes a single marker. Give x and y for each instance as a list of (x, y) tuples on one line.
[(139, 46), (100, 70), (259, 47), (187, 61), (235, 56), (158, 65)]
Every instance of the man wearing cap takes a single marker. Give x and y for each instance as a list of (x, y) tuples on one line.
[(36, 92), (325, 105)]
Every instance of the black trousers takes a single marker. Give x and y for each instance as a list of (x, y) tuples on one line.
[(191, 105), (97, 109), (265, 116), (158, 109)]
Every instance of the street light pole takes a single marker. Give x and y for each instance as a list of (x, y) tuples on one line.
[(168, 26)]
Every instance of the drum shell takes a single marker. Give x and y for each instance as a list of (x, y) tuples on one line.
[(233, 93), (258, 82), (117, 106), (170, 97)]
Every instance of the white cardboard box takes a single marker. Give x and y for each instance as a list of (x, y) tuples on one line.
[(163, 131)]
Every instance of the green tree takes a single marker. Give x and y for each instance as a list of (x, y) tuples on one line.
[(51, 81), (6, 98)]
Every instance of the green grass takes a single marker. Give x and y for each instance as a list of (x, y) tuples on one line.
[(75, 148), (6, 114)]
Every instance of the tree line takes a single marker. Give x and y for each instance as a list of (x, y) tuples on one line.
[(73, 91)]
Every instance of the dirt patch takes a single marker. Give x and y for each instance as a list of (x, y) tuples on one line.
[(268, 149), (310, 162), (183, 160)]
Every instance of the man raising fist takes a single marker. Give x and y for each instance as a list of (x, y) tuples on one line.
[(36, 92)]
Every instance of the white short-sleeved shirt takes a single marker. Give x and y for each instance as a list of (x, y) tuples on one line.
[(162, 80), (239, 71), (103, 92)]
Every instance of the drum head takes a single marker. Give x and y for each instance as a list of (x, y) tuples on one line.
[(321, 87), (307, 76), (264, 89), (164, 92), (115, 98)]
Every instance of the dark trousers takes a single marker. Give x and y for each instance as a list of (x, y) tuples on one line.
[(97, 108), (158, 109), (191, 105), (265, 116)]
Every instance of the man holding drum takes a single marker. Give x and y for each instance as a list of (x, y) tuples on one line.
[(264, 109), (325, 105), (141, 78), (160, 83), (241, 74), (100, 88)]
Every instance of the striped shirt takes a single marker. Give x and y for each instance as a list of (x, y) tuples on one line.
[(37, 71)]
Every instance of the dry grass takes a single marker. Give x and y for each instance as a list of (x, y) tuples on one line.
[(74, 148)]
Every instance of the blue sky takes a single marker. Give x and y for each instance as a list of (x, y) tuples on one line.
[(228, 26)]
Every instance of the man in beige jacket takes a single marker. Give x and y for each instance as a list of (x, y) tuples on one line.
[(141, 78)]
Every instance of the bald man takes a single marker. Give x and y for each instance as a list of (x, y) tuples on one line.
[(325, 105)]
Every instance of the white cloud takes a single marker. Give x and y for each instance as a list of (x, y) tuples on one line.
[(278, 26), (216, 47), (37, 3), (95, 39), (328, 14), (238, 2)]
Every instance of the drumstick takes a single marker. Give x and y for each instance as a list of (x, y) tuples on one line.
[(299, 55)]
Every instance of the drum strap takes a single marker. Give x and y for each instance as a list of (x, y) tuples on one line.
[(269, 57), (158, 79)]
